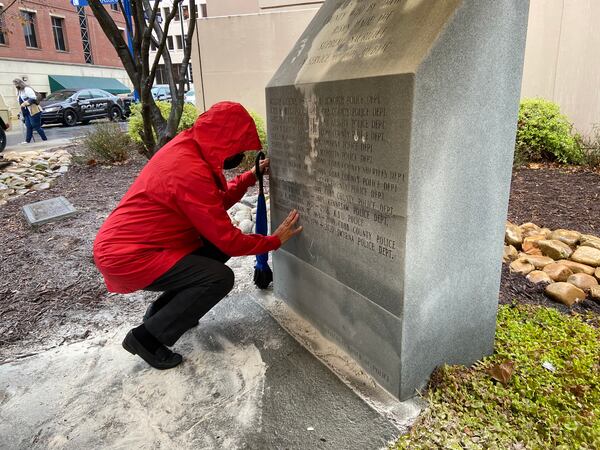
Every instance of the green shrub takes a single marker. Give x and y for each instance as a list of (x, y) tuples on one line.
[(591, 148), (544, 133), (107, 143), (250, 158), (136, 124)]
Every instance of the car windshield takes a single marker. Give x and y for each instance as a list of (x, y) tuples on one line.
[(60, 95)]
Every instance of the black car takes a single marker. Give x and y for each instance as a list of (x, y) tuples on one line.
[(3, 127), (72, 106)]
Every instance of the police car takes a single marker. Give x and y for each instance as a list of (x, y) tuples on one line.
[(73, 106)]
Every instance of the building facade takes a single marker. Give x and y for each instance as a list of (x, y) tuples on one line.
[(176, 36), (51, 37)]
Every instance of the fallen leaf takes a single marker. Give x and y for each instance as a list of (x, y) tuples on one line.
[(502, 372), (578, 390)]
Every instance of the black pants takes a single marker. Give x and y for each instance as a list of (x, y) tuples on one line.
[(191, 288)]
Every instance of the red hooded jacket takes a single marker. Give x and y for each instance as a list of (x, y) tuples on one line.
[(180, 198)]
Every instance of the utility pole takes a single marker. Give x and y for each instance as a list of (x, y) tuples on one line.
[(127, 13), (187, 80)]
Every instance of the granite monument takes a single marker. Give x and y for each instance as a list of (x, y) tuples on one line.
[(391, 129)]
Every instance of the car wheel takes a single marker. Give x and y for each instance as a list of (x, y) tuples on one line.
[(2, 140), (69, 118), (115, 114)]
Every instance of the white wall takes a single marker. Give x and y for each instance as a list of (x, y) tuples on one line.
[(562, 58), (239, 55)]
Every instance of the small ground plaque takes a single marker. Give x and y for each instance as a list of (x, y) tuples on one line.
[(48, 210)]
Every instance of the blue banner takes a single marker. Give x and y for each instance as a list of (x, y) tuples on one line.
[(85, 2)]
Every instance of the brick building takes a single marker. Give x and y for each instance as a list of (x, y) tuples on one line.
[(51, 37)]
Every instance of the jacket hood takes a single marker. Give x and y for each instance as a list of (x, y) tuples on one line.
[(226, 129)]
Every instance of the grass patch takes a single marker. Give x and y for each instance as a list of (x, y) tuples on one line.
[(536, 408)]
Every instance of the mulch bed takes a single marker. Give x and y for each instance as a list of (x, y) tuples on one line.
[(555, 197), (48, 278), (47, 272), (551, 197)]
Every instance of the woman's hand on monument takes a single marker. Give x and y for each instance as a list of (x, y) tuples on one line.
[(264, 166), (288, 229)]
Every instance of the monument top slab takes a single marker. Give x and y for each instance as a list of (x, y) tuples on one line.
[(359, 39)]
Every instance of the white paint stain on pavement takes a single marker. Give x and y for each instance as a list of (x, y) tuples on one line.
[(107, 398)]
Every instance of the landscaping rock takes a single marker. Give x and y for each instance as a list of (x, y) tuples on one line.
[(513, 235), (577, 267), (521, 266), (538, 276), (510, 253), (593, 242), (34, 169), (595, 293), (531, 242), (569, 237), (41, 186), (589, 237), (597, 273), (529, 229), (583, 281), (243, 214), (539, 262), (246, 226), (555, 249), (565, 293), (558, 272), (587, 255)]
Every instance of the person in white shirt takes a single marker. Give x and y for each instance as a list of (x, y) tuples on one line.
[(31, 111)]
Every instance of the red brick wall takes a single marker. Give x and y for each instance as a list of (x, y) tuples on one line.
[(102, 51)]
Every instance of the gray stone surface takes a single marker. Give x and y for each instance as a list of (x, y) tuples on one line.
[(245, 384), (46, 211), (391, 129)]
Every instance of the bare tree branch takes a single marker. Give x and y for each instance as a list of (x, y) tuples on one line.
[(114, 36)]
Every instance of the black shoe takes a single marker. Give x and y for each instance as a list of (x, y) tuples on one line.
[(163, 358), (152, 310)]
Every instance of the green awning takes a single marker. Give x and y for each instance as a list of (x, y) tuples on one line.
[(112, 85)]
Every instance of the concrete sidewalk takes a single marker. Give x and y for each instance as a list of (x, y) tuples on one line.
[(245, 383), (48, 145)]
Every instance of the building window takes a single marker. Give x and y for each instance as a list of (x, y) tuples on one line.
[(123, 35), (160, 75), (166, 11), (177, 15), (153, 46), (3, 39), (179, 42), (58, 26), (114, 6), (203, 9), (170, 42), (186, 12), (29, 29)]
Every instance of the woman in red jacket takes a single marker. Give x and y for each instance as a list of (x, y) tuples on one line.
[(171, 232)]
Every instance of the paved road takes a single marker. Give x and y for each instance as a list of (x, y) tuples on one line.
[(16, 135)]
